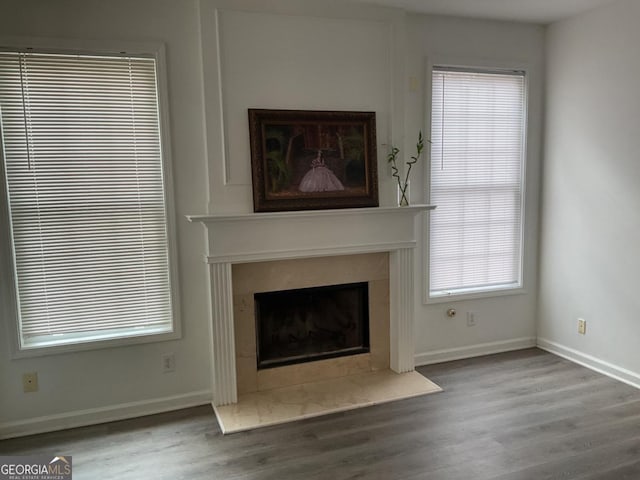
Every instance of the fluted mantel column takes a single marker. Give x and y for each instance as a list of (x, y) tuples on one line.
[(223, 350), (402, 308)]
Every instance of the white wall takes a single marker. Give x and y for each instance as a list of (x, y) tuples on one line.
[(374, 59), (225, 56), (101, 379), (502, 322), (591, 201), (292, 55)]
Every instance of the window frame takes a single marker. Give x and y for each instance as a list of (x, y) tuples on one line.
[(8, 291), (480, 65)]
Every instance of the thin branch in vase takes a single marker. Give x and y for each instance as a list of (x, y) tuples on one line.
[(392, 158)]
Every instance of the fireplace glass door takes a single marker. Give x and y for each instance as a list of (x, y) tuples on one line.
[(307, 324)]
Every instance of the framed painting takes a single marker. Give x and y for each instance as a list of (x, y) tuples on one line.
[(309, 160)]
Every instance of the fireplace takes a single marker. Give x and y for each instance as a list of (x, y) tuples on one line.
[(309, 324), (236, 241)]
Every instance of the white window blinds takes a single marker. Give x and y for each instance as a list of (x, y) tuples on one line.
[(83, 172), (477, 132)]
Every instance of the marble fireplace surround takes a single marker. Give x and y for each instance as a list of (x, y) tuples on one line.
[(260, 237), (278, 275)]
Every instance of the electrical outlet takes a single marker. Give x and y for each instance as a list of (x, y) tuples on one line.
[(472, 317), (582, 326), (30, 382), (168, 362)]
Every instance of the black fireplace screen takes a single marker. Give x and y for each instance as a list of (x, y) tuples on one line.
[(302, 325)]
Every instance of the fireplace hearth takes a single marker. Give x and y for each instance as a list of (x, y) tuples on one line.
[(309, 324)]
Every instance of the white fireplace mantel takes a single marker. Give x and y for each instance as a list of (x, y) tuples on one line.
[(253, 237), (250, 237)]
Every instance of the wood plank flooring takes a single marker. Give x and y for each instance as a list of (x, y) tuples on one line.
[(525, 415)]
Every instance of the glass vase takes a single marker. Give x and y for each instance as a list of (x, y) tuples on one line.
[(403, 194)]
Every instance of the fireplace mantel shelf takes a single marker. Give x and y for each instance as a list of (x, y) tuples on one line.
[(250, 237), (225, 217)]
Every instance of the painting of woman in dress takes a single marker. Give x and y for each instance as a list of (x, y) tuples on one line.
[(319, 178), (312, 159)]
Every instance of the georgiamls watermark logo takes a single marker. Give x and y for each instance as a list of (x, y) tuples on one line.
[(39, 467)]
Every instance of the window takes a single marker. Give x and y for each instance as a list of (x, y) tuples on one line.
[(477, 156), (84, 183)]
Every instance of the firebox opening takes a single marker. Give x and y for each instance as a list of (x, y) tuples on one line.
[(307, 324)]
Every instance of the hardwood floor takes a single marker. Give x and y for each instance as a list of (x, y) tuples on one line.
[(525, 415)]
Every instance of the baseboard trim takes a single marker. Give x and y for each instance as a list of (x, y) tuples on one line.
[(449, 354), (94, 416), (591, 362)]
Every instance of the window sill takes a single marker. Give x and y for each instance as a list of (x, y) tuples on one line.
[(459, 297), (72, 346)]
